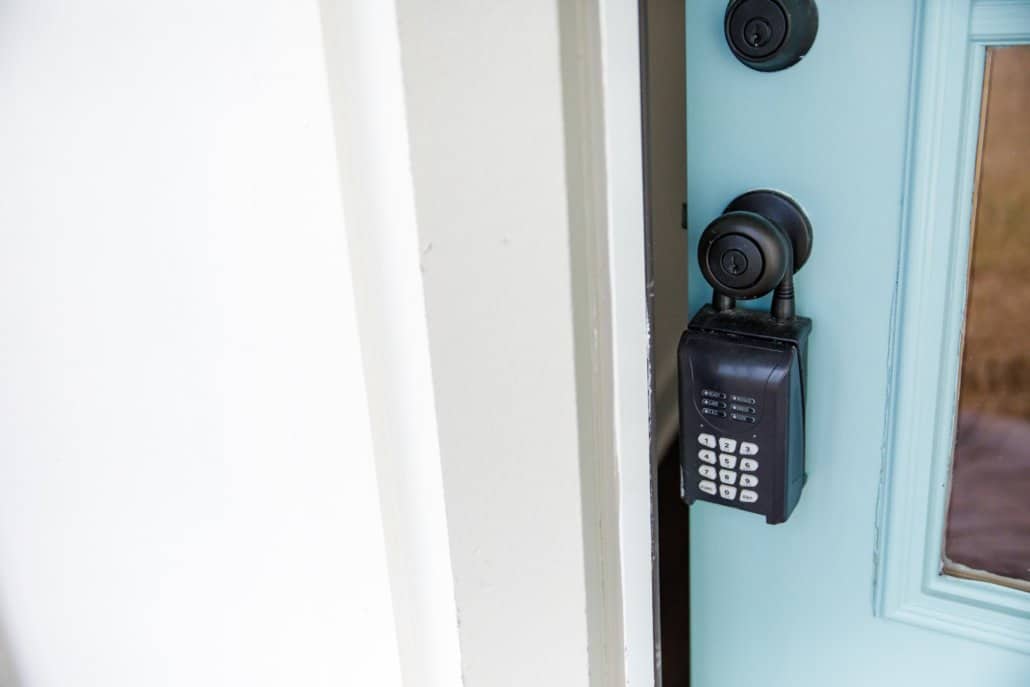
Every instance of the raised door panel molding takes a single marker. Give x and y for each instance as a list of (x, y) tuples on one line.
[(952, 37)]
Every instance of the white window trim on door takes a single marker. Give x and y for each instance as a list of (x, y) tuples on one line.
[(548, 524), (948, 67)]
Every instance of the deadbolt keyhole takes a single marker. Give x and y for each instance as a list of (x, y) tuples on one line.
[(757, 32), (734, 262)]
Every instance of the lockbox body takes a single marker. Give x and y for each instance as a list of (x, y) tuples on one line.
[(742, 410)]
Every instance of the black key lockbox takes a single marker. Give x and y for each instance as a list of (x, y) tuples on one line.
[(742, 372), (742, 410)]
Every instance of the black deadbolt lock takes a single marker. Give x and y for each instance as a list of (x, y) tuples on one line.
[(770, 35)]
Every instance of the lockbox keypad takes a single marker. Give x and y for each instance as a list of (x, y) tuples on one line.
[(726, 467)]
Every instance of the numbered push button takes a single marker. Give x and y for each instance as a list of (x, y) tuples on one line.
[(748, 449), (727, 477), (706, 471), (748, 480), (706, 456), (707, 487), (727, 461), (748, 464), (748, 496), (727, 492), (727, 445), (707, 440)]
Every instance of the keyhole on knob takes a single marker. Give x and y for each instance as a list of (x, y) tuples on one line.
[(757, 32), (734, 262)]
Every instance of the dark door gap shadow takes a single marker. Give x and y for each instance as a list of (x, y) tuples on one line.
[(673, 572)]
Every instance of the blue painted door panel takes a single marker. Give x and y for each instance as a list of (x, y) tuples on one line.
[(792, 605)]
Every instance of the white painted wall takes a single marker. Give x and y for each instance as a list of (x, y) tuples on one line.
[(187, 487)]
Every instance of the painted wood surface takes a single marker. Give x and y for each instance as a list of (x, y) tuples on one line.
[(929, 317), (794, 604)]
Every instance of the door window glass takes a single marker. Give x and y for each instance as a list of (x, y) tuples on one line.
[(988, 524)]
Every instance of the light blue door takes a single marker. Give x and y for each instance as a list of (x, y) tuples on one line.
[(873, 132)]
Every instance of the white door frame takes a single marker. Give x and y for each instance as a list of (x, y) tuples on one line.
[(502, 244)]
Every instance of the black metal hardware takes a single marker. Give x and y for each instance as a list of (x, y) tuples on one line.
[(754, 247), (770, 35)]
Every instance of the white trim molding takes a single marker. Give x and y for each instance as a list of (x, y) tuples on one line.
[(523, 124), (624, 182), (491, 158), (365, 82), (948, 71)]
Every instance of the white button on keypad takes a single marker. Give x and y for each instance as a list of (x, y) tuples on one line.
[(716, 469)]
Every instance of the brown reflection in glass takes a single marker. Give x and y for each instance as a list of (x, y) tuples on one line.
[(988, 529)]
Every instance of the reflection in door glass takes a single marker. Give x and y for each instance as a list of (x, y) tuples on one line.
[(988, 528)]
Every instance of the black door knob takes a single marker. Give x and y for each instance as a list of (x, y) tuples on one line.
[(758, 243)]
